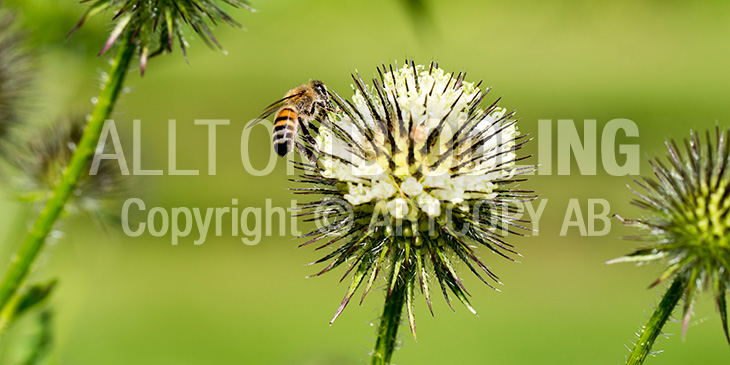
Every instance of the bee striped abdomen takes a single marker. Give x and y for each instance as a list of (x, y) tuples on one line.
[(285, 130)]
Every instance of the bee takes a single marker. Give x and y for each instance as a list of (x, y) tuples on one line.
[(295, 111)]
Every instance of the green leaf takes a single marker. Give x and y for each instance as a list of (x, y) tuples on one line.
[(23, 302), (40, 343), (34, 296)]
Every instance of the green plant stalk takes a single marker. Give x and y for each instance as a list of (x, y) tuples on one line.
[(654, 327), (389, 322), (76, 169), (8, 313)]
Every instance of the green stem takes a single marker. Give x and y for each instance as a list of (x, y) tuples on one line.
[(76, 169), (389, 322), (656, 322)]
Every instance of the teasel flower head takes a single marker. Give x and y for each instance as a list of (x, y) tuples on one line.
[(155, 25), (413, 174), (35, 167), (687, 219), (14, 72)]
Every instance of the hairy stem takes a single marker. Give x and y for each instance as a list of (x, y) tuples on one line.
[(654, 327), (76, 169), (389, 322)]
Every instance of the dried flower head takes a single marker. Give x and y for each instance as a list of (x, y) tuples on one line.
[(36, 167), (412, 174), (155, 24), (14, 73), (687, 218)]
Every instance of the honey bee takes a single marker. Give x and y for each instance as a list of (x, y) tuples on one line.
[(295, 111)]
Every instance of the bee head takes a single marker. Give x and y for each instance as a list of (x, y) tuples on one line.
[(320, 89)]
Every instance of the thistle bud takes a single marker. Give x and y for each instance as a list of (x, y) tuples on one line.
[(35, 168), (155, 25), (14, 73), (687, 219)]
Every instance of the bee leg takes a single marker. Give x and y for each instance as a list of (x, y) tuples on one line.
[(306, 134), (322, 116), (304, 151), (322, 119), (326, 107)]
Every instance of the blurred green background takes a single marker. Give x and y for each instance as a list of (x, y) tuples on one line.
[(121, 300)]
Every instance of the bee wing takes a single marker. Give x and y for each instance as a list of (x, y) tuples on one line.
[(273, 107)]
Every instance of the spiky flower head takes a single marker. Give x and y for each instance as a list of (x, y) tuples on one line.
[(413, 174), (154, 25), (35, 167), (687, 218), (14, 72)]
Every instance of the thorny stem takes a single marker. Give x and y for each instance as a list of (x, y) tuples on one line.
[(654, 327), (389, 322), (76, 169)]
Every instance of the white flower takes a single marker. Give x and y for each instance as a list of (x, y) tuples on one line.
[(358, 194), (411, 186), (415, 156), (398, 208), (429, 205), (383, 190), (436, 102)]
